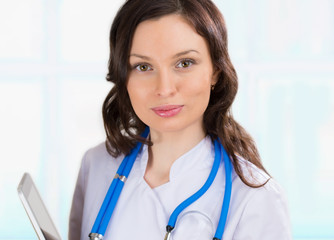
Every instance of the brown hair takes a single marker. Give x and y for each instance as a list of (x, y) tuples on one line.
[(123, 127)]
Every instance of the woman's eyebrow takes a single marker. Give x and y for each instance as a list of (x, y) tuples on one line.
[(139, 56), (175, 56), (184, 53)]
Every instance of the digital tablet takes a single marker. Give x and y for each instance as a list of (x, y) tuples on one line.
[(36, 210)]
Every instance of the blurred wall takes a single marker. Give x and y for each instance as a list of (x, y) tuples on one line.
[(53, 62)]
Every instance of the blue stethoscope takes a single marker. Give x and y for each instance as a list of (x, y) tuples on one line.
[(109, 203)]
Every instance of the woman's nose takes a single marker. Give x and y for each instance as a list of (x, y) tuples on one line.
[(165, 84)]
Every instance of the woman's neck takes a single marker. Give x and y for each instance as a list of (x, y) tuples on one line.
[(167, 147)]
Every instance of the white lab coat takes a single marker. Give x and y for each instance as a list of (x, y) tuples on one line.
[(142, 213)]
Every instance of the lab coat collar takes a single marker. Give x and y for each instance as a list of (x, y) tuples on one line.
[(199, 157)]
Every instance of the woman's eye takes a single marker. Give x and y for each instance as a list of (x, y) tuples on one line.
[(143, 67), (185, 63)]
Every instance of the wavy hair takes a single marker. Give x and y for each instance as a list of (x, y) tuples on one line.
[(122, 125)]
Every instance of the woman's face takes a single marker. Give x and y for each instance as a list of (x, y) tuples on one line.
[(171, 75)]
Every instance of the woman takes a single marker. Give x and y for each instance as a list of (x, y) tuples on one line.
[(172, 73)]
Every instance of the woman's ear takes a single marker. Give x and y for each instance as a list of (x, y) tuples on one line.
[(214, 79)]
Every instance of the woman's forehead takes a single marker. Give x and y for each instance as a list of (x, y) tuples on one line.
[(166, 36)]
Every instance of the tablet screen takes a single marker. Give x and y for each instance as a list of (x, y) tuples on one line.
[(36, 209)]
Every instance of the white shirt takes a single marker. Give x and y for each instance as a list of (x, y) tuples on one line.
[(142, 213)]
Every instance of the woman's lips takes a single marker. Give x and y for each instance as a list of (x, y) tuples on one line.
[(167, 110)]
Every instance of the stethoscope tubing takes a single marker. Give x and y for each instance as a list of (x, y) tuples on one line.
[(227, 194), (201, 191), (112, 196), (109, 203)]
